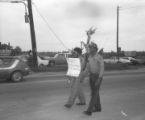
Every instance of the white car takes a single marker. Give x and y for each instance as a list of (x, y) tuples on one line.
[(123, 60), (110, 60), (135, 61), (114, 60), (42, 62)]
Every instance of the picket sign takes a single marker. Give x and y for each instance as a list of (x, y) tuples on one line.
[(74, 67)]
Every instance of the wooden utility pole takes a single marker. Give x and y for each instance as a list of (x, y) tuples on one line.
[(117, 32), (32, 31)]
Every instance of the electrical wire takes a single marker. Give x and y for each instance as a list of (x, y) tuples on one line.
[(11, 0), (132, 7), (44, 19), (5, 1)]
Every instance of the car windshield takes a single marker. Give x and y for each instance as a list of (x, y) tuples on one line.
[(5, 62)]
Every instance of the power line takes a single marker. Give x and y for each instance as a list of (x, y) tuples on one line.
[(44, 19), (5, 1), (12, 1), (132, 7)]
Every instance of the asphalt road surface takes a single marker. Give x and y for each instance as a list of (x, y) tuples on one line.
[(122, 98)]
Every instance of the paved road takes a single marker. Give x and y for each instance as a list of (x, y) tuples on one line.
[(122, 98)]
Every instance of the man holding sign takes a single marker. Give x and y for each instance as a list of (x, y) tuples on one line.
[(75, 66)]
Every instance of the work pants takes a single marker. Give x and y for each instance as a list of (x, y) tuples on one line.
[(94, 103), (76, 91)]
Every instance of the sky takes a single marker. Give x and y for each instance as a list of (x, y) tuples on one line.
[(69, 20)]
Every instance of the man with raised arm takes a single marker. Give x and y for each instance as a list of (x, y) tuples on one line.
[(95, 69)]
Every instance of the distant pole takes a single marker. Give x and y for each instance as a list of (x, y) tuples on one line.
[(117, 32), (33, 38)]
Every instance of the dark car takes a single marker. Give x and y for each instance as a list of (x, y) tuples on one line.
[(13, 68), (58, 59)]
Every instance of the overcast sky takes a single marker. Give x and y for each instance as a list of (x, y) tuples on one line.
[(69, 19)]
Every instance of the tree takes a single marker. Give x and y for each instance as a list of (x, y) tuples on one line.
[(16, 51)]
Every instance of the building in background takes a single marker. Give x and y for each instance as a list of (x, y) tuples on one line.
[(5, 49), (130, 53)]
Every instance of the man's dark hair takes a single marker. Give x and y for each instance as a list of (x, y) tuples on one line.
[(78, 50)]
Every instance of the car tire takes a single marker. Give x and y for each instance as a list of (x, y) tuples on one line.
[(51, 63), (16, 76)]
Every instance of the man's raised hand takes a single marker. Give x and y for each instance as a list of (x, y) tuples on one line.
[(91, 31)]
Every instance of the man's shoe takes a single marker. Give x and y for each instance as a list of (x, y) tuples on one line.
[(87, 113), (67, 105), (80, 103)]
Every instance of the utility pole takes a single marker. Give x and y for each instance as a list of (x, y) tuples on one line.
[(33, 38), (117, 32)]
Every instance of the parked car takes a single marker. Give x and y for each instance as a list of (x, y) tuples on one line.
[(123, 60), (58, 59), (132, 60), (42, 62), (114, 60), (111, 60), (13, 68)]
